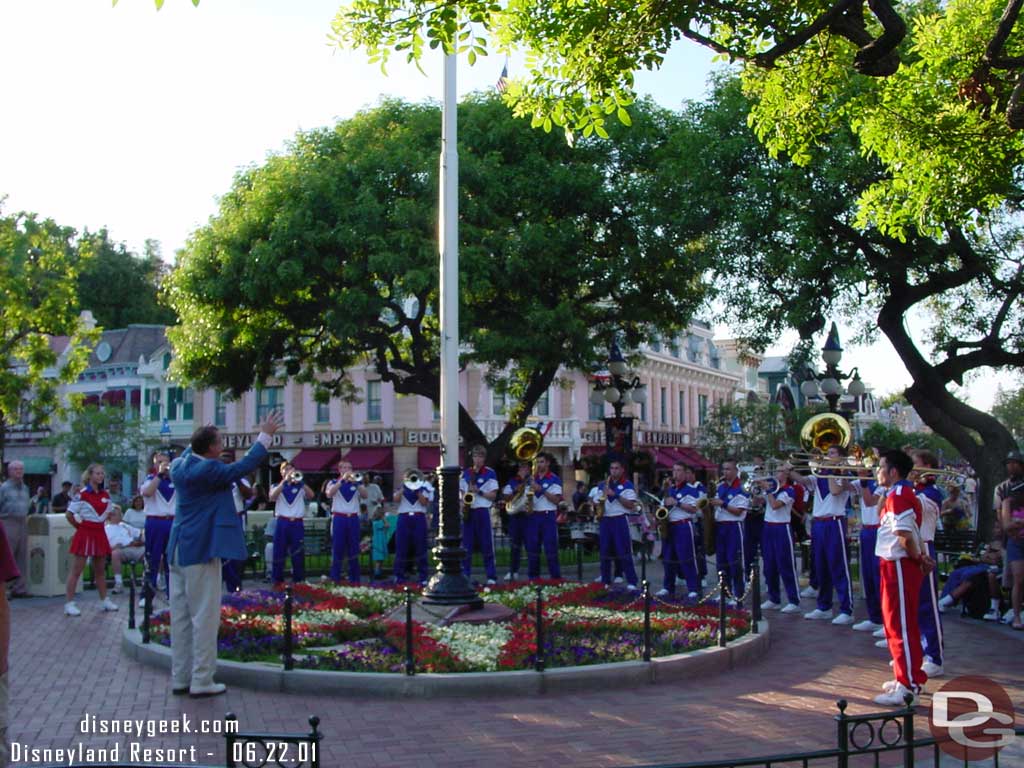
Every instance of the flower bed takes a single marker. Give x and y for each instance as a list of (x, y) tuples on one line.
[(343, 628)]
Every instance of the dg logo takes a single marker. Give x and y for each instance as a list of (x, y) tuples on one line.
[(971, 718)]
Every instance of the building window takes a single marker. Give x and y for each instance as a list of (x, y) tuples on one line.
[(664, 405), (682, 408), (702, 409), (543, 406), (323, 413), (597, 411), (153, 404), (187, 399), (220, 410), (373, 401), (435, 411), (499, 403), (268, 399), (643, 411), (656, 345)]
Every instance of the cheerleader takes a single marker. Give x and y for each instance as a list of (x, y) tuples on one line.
[(87, 513)]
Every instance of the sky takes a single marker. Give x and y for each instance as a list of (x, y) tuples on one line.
[(136, 120)]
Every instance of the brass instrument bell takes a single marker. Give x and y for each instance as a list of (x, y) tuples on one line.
[(526, 443), (821, 432)]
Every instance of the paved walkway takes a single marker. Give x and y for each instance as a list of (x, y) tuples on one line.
[(64, 669)]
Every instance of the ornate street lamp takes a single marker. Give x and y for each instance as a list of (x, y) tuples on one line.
[(829, 383), (619, 388)]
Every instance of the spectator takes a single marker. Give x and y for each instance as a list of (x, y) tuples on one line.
[(955, 513), (135, 515), (88, 512), (117, 497), (14, 505), (1014, 464), (374, 496), (1011, 516), (380, 542), (579, 497), (8, 572), (260, 500), (59, 504), (966, 579), (40, 503), (125, 545)]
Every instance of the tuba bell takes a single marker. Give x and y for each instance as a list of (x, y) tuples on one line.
[(524, 445), (821, 432)]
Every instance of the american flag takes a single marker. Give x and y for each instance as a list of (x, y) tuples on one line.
[(502, 84)]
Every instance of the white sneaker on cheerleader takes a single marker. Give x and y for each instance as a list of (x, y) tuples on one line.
[(818, 614), (866, 626), (879, 633), (881, 643), (894, 697), (791, 608), (768, 605), (70, 609), (932, 670), (843, 620), (107, 604), (662, 593), (809, 592), (888, 685)]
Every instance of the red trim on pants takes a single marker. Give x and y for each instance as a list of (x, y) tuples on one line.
[(900, 596)]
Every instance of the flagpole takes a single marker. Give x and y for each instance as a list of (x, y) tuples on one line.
[(449, 586)]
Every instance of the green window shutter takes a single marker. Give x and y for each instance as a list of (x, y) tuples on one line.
[(186, 406)]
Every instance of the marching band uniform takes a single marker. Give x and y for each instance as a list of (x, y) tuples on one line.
[(869, 573), (901, 584), (91, 507), (516, 528), (232, 570), (411, 531), (477, 531), (345, 532), (159, 509), (929, 618), (679, 553), (777, 548), (729, 535), (289, 532), (828, 548), (542, 528), (614, 532)]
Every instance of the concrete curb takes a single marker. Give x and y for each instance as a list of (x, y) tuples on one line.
[(667, 669)]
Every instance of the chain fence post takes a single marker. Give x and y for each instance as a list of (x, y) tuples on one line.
[(147, 609), (908, 731), (410, 657), (131, 597), (647, 620), (579, 560), (289, 661), (755, 592), (538, 660), (842, 736), (721, 609)]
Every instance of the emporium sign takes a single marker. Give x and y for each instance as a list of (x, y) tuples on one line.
[(346, 438)]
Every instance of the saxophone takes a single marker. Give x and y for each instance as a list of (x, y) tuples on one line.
[(602, 498)]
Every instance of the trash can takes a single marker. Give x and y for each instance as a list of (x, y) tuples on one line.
[(49, 537)]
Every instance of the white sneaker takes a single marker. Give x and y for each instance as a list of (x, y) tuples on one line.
[(881, 643), (108, 605), (809, 592), (117, 589), (662, 593), (768, 605), (843, 620), (161, 583), (70, 609), (867, 626), (894, 697), (508, 576), (1008, 617), (597, 580), (515, 577), (491, 582), (617, 580), (889, 685), (632, 588), (818, 614), (791, 608), (992, 615), (730, 603), (932, 670), (692, 596), (142, 602), (880, 633)]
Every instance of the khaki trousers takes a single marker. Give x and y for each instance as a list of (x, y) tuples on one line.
[(195, 620), (16, 529)]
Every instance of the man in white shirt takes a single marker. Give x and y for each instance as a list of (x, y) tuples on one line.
[(126, 545), (289, 496), (482, 482)]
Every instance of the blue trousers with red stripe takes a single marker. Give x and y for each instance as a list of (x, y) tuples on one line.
[(289, 541), (828, 548), (410, 532), (477, 534), (158, 533), (779, 562), (516, 538), (542, 530), (615, 545), (345, 536), (870, 576), (729, 555), (679, 556), (928, 617)]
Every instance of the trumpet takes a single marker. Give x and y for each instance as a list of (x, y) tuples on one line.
[(295, 477), (353, 477), (413, 480)]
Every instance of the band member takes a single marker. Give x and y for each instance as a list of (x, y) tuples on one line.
[(542, 526), (241, 491), (731, 504), (482, 483), (158, 503), (828, 540), (679, 551), (777, 543), (289, 497), (872, 498), (929, 617), (517, 518), (903, 565), (620, 499), (345, 493), (411, 528)]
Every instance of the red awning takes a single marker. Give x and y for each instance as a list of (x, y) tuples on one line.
[(113, 397), (136, 396), (694, 459), (664, 458), (91, 400), (429, 457), (316, 459), (372, 459)]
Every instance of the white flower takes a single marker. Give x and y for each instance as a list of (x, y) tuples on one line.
[(479, 645)]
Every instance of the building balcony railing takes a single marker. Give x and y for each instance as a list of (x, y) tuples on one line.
[(563, 432)]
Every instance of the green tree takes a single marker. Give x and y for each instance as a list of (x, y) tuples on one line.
[(1009, 409), (39, 268), (325, 257), (765, 429), (888, 436), (106, 435), (120, 287)]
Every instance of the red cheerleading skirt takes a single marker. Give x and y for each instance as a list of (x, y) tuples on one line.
[(90, 540)]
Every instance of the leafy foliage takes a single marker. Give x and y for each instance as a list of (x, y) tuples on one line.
[(766, 430), (106, 435), (119, 287), (887, 436), (325, 257), (1009, 409)]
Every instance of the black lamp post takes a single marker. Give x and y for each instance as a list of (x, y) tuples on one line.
[(829, 383), (619, 388)]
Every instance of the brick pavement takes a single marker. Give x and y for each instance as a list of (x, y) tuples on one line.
[(63, 669)]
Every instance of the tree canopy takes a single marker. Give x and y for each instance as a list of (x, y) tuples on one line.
[(325, 257), (1009, 409), (106, 435), (120, 287)]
